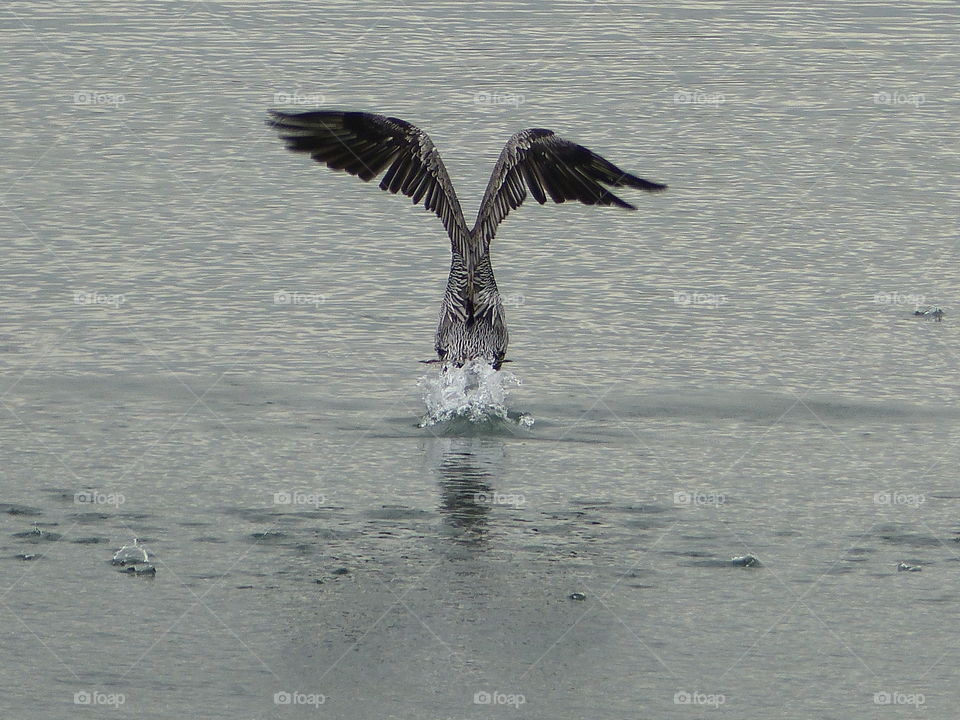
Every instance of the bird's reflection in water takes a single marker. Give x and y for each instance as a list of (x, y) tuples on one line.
[(467, 468)]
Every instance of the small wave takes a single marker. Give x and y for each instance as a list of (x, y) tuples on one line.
[(475, 393)]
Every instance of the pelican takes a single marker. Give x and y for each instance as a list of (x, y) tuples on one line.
[(472, 324)]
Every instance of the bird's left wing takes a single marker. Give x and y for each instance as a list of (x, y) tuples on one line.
[(548, 165)]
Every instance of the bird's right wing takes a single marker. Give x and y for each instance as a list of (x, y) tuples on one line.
[(549, 166), (364, 144)]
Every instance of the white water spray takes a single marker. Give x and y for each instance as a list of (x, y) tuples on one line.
[(474, 392)]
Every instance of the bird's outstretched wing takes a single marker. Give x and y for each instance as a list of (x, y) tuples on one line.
[(364, 144), (550, 167)]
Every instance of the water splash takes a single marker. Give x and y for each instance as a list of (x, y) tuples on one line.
[(131, 554), (475, 392)]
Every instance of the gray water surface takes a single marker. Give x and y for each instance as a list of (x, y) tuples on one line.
[(733, 370)]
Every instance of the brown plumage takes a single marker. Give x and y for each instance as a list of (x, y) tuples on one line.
[(364, 144)]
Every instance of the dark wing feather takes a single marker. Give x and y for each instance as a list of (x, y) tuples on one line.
[(550, 167), (365, 144)]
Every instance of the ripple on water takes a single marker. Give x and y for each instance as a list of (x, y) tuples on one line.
[(904, 535), (270, 537), (398, 512), (15, 509), (37, 534), (89, 517)]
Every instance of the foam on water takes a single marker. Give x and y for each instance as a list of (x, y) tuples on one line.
[(131, 554), (475, 392)]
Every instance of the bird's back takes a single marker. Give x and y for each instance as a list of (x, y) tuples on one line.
[(472, 323)]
